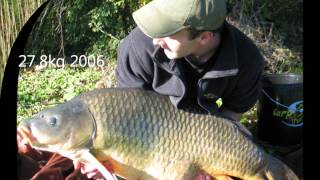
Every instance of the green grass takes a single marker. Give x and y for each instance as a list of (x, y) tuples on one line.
[(41, 89)]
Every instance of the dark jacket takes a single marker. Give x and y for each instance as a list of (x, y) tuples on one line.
[(234, 76)]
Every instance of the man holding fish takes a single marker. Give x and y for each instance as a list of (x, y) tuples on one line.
[(187, 50)]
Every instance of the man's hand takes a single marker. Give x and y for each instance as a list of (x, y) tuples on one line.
[(23, 146), (88, 170), (26, 149), (202, 177)]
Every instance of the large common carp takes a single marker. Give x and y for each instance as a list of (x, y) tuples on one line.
[(144, 136)]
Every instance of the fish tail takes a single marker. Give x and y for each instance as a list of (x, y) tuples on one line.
[(277, 170)]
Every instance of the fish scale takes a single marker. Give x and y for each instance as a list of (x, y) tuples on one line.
[(188, 124), (145, 137)]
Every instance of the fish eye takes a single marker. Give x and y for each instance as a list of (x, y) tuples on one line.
[(52, 121), (41, 116)]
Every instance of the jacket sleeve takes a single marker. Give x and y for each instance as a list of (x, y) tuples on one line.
[(248, 87), (134, 66)]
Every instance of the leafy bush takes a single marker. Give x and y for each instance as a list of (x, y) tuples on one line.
[(97, 26), (82, 27)]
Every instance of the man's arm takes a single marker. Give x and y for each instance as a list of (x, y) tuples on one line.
[(134, 67)]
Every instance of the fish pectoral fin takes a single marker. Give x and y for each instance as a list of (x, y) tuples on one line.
[(242, 128), (214, 176), (222, 177), (123, 170), (184, 170), (90, 158)]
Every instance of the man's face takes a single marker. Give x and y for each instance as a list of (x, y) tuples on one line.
[(178, 45)]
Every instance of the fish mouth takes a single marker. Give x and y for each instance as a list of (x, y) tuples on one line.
[(26, 134)]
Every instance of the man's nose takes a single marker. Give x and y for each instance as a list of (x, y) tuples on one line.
[(158, 41)]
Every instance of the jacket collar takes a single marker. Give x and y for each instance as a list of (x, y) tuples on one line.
[(163, 61), (226, 58)]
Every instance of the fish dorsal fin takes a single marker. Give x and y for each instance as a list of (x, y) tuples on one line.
[(87, 156), (244, 129), (240, 126)]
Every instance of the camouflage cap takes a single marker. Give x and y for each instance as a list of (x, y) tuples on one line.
[(161, 18)]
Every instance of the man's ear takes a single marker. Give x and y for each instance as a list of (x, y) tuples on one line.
[(206, 37)]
